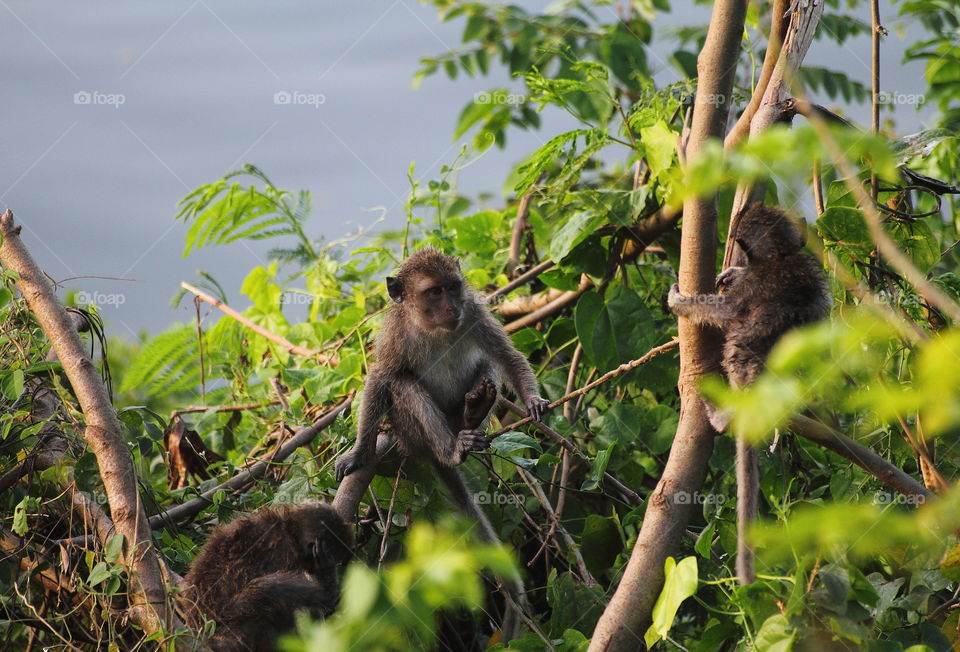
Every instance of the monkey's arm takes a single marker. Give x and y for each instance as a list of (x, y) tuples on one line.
[(265, 608), (712, 309), (513, 366), (374, 404)]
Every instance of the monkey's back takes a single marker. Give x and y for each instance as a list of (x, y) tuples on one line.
[(238, 552), (774, 296)]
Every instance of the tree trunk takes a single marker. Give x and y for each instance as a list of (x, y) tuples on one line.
[(627, 616)]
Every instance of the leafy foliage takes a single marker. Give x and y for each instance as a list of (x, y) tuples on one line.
[(843, 560)]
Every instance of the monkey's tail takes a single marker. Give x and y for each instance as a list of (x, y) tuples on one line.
[(748, 488)]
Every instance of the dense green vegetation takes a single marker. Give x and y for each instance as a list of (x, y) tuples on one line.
[(844, 561)]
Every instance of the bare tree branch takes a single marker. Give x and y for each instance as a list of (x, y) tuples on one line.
[(149, 606), (303, 437)]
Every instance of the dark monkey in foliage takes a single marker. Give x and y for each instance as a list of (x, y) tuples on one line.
[(255, 572), (440, 355), (780, 287)]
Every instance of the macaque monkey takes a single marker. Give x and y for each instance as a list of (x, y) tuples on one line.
[(780, 287), (440, 356), (257, 571)]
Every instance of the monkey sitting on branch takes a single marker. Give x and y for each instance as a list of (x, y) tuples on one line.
[(440, 355), (779, 288), (257, 571)]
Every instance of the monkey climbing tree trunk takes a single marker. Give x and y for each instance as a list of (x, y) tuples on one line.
[(148, 598), (623, 623), (770, 107)]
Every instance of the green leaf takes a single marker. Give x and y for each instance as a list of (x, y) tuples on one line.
[(659, 146), (615, 331), (600, 543), (575, 231), (917, 240), (775, 635), (20, 516), (623, 51), (11, 383), (680, 582), (919, 144), (845, 229), (513, 441), (597, 469), (473, 232), (114, 548), (474, 113), (99, 573)]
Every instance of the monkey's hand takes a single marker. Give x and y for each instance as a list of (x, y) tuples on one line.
[(348, 463), (536, 406), (675, 297), (471, 440)]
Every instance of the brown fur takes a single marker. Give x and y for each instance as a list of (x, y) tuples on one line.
[(440, 355), (255, 572), (779, 288)]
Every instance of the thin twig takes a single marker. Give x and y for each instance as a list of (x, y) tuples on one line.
[(526, 277), (224, 408), (610, 375), (551, 308), (256, 328)]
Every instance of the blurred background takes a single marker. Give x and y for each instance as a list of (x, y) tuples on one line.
[(113, 112)]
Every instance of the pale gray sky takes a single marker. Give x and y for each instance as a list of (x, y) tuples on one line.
[(96, 184)]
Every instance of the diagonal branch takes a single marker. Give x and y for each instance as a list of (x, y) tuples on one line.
[(149, 607)]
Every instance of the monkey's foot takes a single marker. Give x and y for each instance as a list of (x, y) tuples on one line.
[(348, 463), (473, 440), (718, 418), (478, 402)]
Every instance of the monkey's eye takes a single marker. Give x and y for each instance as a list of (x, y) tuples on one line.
[(454, 287), (435, 291)]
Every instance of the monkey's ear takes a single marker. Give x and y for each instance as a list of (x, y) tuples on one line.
[(395, 289), (744, 248)]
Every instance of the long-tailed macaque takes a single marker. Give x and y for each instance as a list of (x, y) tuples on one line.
[(779, 288), (440, 355), (255, 572)]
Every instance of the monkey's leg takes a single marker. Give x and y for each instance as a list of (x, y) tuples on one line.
[(477, 404), (461, 494), (425, 430), (748, 488)]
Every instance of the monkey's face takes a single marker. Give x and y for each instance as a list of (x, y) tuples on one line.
[(438, 301)]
